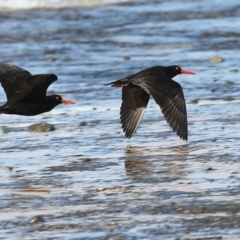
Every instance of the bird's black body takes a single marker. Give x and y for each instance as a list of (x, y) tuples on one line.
[(168, 94), (31, 109), (26, 93)]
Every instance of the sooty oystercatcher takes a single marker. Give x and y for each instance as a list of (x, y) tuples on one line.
[(26, 93), (168, 94)]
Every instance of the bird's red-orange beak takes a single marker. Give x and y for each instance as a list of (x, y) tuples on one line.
[(187, 72), (67, 101)]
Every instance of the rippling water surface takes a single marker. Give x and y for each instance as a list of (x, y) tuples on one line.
[(85, 180)]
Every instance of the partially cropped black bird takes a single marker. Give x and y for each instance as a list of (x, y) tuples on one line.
[(26, 93), (168, 94)]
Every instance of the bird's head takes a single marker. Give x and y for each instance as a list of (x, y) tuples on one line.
[(57, 99), (172, 71)]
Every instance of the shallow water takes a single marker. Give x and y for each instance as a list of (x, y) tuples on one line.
[(86, 180)]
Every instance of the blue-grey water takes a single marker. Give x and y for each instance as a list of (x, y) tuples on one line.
[(85, 179)]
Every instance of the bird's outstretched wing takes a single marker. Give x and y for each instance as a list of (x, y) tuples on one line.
[(36, 90), (168, 94), (13, 79), (134, 103), (21, 86)]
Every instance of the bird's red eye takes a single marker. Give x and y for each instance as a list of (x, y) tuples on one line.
[(57, 98), (177, 68)]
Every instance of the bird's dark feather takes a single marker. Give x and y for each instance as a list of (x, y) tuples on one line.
[(171, 100), (134, 103), (20, 86), (38, 85), (13, 79)]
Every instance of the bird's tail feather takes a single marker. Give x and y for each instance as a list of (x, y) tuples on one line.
[(118, 83)]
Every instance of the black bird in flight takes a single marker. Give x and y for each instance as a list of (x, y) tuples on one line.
[(26, 93), (156, 82)]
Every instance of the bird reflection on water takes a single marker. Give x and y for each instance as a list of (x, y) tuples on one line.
[(156, 163)]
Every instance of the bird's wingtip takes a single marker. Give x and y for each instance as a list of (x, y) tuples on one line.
[(53, 76), (127, 135), (184, 138)]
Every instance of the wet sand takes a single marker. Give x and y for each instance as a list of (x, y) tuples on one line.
[(85, 180)]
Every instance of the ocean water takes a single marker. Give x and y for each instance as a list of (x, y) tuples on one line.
[(85, 179)]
